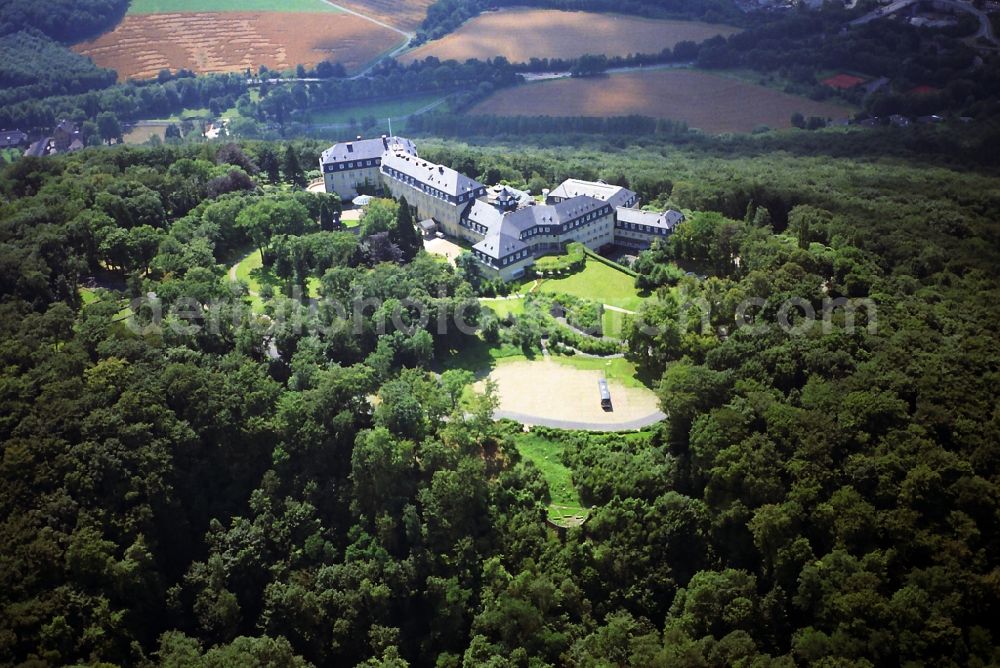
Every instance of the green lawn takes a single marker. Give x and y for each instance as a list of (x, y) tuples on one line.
[(251, 271), (478, 356), (88, 295), (377, 110), (611, 323), (566, 507), (600, 283), (617, 368), (504, 307), (178, 6)]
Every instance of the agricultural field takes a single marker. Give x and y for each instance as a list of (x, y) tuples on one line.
[(520, 34), (143, 7), (174, 34), (710, 102), (140, 134), (405, 15)]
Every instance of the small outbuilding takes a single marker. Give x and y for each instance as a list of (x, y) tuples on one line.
[(428, 227)]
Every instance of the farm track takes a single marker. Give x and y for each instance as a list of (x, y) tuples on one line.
[(374, 20)]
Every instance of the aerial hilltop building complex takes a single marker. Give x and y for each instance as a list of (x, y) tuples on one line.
[(507, 228)]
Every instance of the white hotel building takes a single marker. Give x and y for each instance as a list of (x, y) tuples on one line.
[(510, 231)]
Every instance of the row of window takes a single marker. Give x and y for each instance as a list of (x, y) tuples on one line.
[(357, 164), (430, 190), (645, 229), (565, 227)]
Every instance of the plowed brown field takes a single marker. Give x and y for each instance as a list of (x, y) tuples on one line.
[(521, 34), (233, 41), (706, 101), (403, 14)]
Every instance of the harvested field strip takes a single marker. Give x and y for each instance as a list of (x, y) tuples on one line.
[(142, 7), (404, 14), (710, 102), (520, 34), (230, 42)]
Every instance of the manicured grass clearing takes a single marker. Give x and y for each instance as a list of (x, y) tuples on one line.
[(88, 295), (520, 34), (183, 6), (711, 102), (616, 368), (600, 283), (251, 271), (504, 307), (547, 456), (376, 110), (611, 323), (477, 356)]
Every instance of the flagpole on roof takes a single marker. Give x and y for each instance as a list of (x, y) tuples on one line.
[(390, 126)]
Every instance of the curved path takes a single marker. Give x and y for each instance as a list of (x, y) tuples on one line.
[(407, 37), (536, 421)]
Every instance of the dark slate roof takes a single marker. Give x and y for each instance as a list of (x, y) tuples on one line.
[(669, 219), (10, 138), (440, 177), (499, 245), (485, 214), (614, 195), (366, 149), (549, 214)]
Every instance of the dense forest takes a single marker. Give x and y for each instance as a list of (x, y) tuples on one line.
[(273, 488)]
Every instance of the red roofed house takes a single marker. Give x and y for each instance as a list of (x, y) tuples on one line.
[(843, 81)]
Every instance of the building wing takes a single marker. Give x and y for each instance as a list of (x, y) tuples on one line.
[(616, 196)]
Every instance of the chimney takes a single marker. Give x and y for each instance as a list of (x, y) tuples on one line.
[(440, 169), (359, 137), (385, 142)]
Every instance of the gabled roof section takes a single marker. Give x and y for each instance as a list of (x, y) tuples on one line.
[(668, 220), (614, 195), (442, 178), (367, 149), (499, 246), (486, 215)]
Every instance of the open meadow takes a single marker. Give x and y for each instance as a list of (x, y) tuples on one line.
[(141, 46), (710, 102), (521, 34)]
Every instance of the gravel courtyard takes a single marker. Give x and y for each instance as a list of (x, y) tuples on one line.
[(555, 392)]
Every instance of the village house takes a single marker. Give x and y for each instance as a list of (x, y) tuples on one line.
[(12, 138)]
